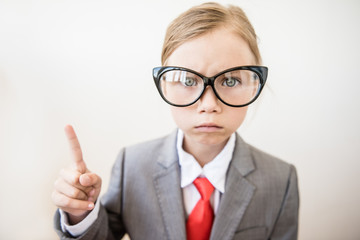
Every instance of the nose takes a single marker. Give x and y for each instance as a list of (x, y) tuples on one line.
[(209, 102)]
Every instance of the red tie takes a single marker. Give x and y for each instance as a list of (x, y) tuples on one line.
[(199, 223)]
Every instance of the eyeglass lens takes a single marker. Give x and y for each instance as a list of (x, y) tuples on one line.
[(237, 87)]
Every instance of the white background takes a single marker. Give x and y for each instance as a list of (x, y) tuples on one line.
[(89, 63)]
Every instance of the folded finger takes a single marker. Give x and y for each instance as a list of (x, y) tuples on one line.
[(69, 204), (72, 177), (90, 179), (69, 190)]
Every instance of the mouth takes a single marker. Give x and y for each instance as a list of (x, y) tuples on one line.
[(208, 127)]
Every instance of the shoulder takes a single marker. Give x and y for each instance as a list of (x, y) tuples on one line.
[(273, 174), (275, 189), (152, 146), (264, 160), (144, 155), (261, 164)]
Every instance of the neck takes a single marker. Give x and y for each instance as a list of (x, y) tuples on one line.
[(203, 153)]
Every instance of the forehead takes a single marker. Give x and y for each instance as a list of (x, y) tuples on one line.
[(212, 52)]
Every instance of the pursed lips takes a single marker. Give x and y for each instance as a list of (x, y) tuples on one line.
[(208, 127)]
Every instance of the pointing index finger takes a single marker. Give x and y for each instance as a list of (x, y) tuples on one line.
[(75, 149)]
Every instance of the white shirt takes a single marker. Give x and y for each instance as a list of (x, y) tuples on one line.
[(214, 171)]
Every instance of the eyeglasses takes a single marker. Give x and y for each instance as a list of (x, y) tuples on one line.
[(235, 87)]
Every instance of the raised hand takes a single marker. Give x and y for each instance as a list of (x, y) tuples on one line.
[(76, 189)]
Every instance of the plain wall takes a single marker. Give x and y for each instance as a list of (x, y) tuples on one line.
[(88, 63)]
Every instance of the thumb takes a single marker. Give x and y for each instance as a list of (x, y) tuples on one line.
[(90, 180)]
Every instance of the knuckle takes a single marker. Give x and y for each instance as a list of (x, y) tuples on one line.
[(75, 193), (74, 180), (96, 179), (59, 199), (77, 151), (65, 202)]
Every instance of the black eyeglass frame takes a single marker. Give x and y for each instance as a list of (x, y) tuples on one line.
[(261, 72)]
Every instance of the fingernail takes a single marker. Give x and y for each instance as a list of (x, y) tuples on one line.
[(91, 205), (86, 178)]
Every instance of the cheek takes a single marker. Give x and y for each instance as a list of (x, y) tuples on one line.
[(236, 117), (180, 115)]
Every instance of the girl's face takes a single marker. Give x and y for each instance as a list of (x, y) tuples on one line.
[(209, 121)]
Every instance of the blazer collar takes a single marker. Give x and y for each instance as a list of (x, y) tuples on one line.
[(238, 193), (168, 154), (242, 158), (168, 190)]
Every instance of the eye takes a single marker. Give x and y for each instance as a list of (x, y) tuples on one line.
[(189, 82), (230, 82), (255, 77)]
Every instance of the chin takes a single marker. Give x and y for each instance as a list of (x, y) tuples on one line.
[(212, 139)]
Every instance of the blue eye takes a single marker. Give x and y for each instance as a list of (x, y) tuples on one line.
[(255, 77), (230, 82), (189, 82)]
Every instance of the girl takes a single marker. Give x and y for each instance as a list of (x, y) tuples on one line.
[(202, 181)]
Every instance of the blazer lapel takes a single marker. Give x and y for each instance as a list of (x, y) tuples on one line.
[(238, 193), (168, 190)]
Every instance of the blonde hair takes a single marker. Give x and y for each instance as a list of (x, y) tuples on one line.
[(204, 18)]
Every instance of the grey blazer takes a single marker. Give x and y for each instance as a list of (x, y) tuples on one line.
[(144, 199)]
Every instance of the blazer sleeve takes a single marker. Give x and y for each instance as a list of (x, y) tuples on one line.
[(286, 226), (108, 225)]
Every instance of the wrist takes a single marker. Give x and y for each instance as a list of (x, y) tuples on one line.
[(75, 219)]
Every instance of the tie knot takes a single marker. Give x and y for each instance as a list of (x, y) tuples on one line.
[(204, 187)]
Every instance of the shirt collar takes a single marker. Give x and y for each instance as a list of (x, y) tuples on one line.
[(214, 171)]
